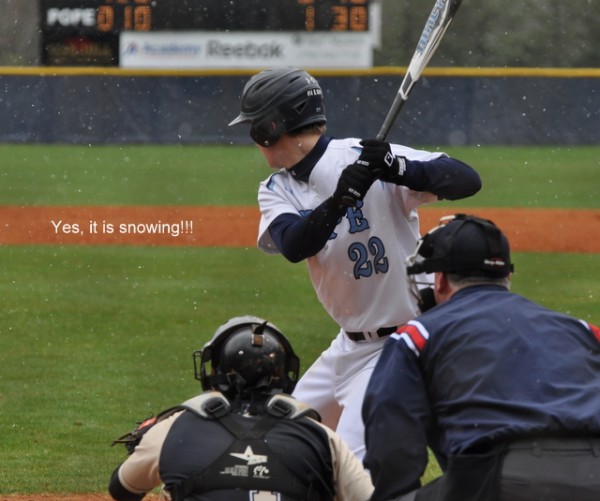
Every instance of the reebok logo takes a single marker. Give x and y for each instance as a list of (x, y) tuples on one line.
[(249, 50)]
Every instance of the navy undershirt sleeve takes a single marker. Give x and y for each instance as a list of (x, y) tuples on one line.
[(447, 178), (298, 237)]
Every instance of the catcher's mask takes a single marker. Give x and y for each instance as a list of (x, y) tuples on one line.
[(245, 355), (280, 100), (462, 244)]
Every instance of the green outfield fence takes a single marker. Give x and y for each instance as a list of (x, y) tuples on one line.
[(448, 106)]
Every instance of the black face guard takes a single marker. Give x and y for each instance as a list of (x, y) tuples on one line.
[(420, 282), (422, 263)]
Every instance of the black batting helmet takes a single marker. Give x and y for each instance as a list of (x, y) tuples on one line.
[(280, 100), (247, 354), (463, 244)]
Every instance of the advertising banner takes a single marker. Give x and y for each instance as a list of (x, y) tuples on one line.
[(190, 50)]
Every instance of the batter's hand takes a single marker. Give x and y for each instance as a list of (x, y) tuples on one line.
[(354, 182), (378, 156)]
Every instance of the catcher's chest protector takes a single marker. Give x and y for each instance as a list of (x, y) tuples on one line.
[(267, 453)]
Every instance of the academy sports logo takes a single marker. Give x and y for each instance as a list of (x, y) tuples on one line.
[(255, 467), (250, 457)]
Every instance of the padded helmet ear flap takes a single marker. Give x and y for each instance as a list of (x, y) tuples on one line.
[(268, 130)]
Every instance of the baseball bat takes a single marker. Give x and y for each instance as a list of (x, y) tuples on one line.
[(441, 15)]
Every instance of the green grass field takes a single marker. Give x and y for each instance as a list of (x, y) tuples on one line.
[(94, 338), (228, 175)]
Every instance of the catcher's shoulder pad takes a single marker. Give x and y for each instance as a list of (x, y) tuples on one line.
[(208, 405), (286, 406)]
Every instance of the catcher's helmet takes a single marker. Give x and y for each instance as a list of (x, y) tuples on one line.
[(463, 244), (247, 354), (280, 100)]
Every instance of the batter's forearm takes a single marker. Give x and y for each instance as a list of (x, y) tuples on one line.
[(447, 178), (298, 238)]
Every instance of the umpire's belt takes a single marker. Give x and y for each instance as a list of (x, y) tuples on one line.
[(370, 335), (538, 445)]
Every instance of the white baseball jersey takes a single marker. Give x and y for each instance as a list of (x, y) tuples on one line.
[(360, 274)]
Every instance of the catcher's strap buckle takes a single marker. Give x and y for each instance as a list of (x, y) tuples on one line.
[(217, 407), (209, 405), (286, 406)]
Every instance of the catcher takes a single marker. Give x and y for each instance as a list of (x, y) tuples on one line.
[(244, 437)]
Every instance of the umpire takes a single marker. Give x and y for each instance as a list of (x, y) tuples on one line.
[(243, 438), (505, 392)]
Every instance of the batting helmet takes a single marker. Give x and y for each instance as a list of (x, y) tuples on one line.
[(468, 245), (280, 100), (247, 354)]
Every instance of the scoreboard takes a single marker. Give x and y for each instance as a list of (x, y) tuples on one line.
[(86, 32)]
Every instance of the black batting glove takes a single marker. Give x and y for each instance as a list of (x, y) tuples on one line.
[(378, 156), (354, 182)]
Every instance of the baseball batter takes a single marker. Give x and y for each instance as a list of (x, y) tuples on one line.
[(349, 209)]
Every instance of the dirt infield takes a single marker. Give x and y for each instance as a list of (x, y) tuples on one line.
[(541, 230)]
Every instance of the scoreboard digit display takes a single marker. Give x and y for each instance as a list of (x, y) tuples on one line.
[(263, 15), (86, 32)]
